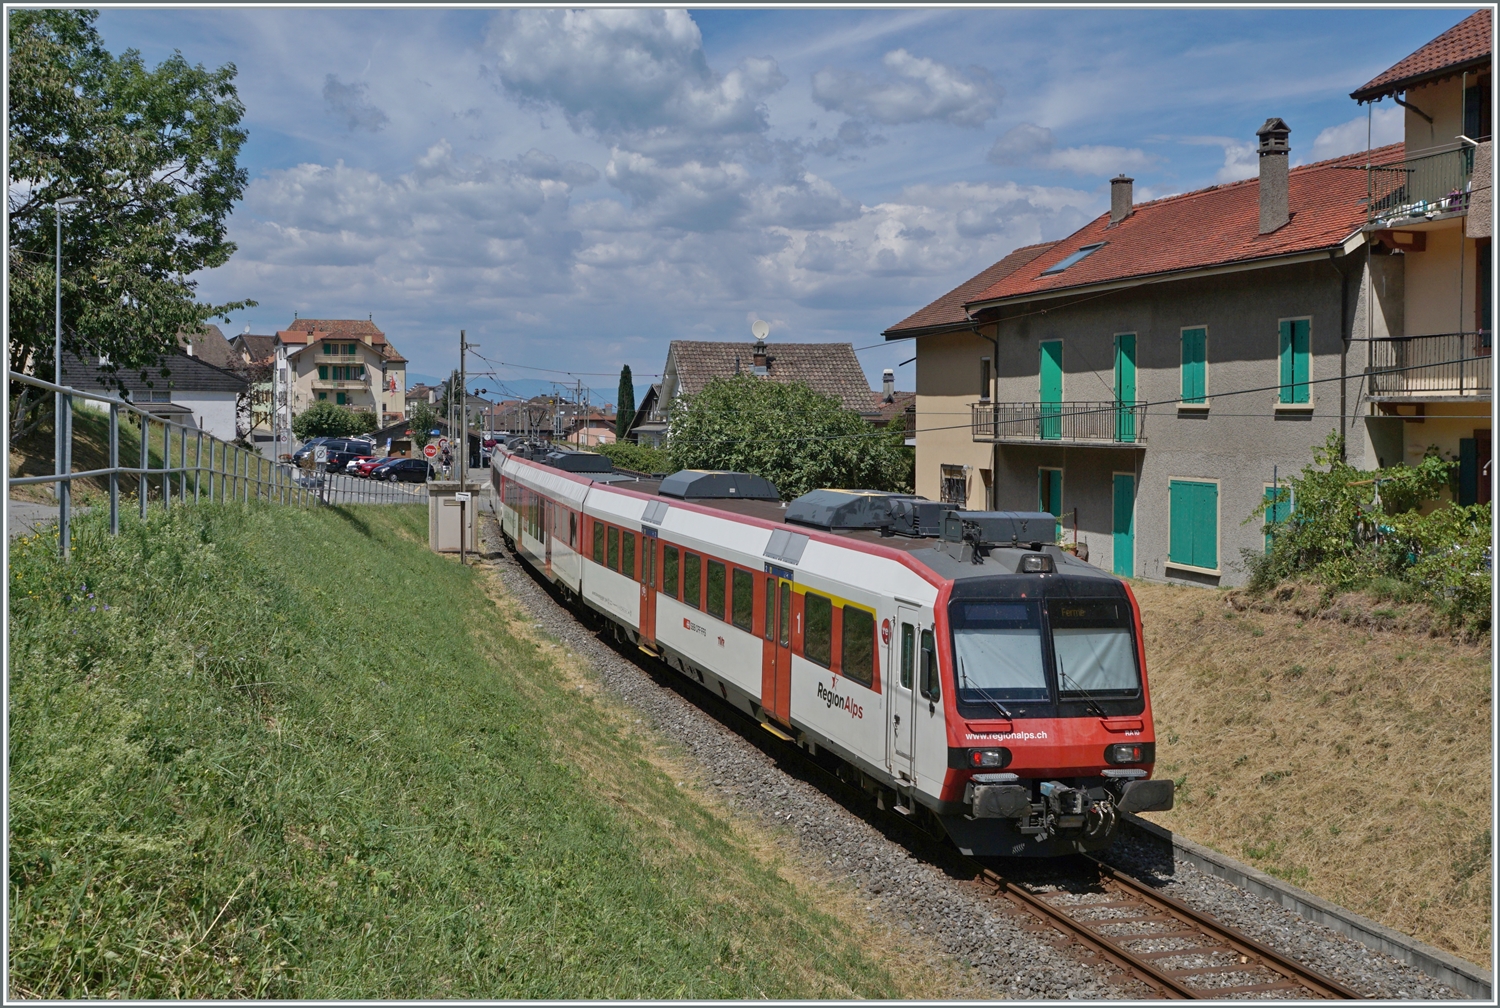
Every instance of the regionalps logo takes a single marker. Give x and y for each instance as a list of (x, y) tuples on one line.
[(832, 698)]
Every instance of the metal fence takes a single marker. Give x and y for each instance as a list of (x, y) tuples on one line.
[(1442, 364), (1421, 186), (1119, 423), (182, 464)]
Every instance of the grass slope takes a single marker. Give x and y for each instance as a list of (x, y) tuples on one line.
[(1352, 762), (261, 752)]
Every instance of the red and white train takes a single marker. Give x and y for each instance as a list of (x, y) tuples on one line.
[(958, 665)]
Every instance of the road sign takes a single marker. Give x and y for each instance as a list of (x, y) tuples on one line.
[(430, 451), (442, 442), (462, 496), (320, 454)]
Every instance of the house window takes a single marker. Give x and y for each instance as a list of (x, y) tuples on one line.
[(1074, 259), (150, 396), (817, 638), (858, 651), (343, 400), (1193, 524), (955, 485), (984, 379), (322, 395), (1296, 361), (1195, 365)]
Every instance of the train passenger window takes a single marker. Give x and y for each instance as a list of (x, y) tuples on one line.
[(770, 608), (743, 599), (786, 614), (715, 603), (612, 550), (627, 554), (572, 530), (598, 542), (857, 652), (669, 570), (692, 579), (908, 655), (929, 663), (817, 635)]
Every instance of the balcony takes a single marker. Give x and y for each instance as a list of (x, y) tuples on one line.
[(1096, 424), (1420, 188), (342, 385), (1445, 366)]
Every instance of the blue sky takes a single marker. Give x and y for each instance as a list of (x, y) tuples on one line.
[(578, 188)]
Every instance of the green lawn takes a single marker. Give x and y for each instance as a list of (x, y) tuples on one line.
[(278, 753)]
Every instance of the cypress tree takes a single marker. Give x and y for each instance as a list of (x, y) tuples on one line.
[(625, 410)]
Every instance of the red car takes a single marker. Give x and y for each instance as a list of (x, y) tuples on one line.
[(364, 466)]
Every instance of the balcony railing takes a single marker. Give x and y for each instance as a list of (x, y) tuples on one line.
[(1448, 364), (1100, 423), (359, 384), (1421, 187)]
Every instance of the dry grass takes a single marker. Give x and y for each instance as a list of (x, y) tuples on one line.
[(1352, 761)]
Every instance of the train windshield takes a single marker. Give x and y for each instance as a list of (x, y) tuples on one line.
[(1093, 648), (997, 648)]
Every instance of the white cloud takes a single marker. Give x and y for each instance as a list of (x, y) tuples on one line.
[(1030, 146), (914, 89), (1240, 160), (348, 103), (638, 78), (1385, 126)]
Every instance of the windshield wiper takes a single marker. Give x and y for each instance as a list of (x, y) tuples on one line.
[(1063, 674), (987, 699)]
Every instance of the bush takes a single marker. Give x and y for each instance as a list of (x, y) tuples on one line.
[(1340, 536), (639, 457), (789, 434), (326, 419)]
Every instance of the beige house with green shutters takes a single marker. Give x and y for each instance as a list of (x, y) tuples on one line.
[(349, 362)]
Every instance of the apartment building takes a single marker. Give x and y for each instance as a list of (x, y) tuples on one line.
[(349, 362)]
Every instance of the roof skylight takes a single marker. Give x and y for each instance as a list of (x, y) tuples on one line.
[(1076, 257)]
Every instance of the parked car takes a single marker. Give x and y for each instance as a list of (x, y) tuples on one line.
[(367, 466), (341, 451), (352, 469), (404, 470)]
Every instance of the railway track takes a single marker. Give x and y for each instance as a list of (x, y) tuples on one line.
[(1166, 944)]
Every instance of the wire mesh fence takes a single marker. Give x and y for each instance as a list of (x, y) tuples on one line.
[(180, 464)]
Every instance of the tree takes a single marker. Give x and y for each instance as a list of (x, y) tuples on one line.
[(152, 153), (422, 419), (788, 433), (326, 419), (625, 411)]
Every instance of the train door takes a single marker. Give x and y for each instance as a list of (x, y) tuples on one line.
[(648, 584), (901, 725), (549, 517), (776, 660)]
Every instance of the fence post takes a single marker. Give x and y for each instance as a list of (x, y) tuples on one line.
[(114, 466), (182, 457), (145, 460), (166, 465), (197, 466), (64, 422)]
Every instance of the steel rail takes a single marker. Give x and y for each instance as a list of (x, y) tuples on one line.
[(1211, 936)]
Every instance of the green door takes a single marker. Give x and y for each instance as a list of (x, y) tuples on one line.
[(1051, 373), (1125, 387), (1049, 496), (1125, 524), (1278, 508)]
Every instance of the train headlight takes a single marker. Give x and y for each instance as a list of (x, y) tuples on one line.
[(989, 758), (1037, 563), (1130, 752)]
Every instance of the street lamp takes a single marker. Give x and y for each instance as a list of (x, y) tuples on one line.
[(62, 425)]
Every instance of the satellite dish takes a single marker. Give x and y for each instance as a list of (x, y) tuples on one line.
[(760, 328)]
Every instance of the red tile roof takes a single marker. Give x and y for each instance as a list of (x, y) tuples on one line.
[(830, 368), (948, 310), (1217, 226), (1465, 44), (365, 330)]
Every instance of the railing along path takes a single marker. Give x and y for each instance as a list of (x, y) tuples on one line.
[(206, 468)]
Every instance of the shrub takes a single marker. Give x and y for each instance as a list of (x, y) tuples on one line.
[(1355, 530), (639, 457), (326, 419)]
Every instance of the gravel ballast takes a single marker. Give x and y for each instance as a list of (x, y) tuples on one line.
[(918, 886)]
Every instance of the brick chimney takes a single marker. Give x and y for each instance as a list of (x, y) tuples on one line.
[(888, 385), (1274, 150), (1121, 198), (760, 360)]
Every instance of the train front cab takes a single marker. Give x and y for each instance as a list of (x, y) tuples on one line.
[(1049, 713)]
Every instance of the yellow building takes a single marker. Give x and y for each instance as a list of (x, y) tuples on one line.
[(344, 361)]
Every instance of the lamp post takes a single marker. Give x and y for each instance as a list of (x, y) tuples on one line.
[(62, 409)]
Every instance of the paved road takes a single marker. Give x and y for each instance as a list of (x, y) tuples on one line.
[(26, 517)]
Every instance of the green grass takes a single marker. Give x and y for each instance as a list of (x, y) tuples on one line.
[(266, 752)]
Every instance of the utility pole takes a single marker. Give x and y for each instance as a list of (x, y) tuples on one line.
[(462, 455)]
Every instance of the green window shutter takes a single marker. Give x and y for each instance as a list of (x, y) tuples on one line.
[(1278, 509), (1180, 536), (1194, 365), (1194, 518), (1049, 496), (322, 372), (1295, 360), (1051, 389), (1206, 527)]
